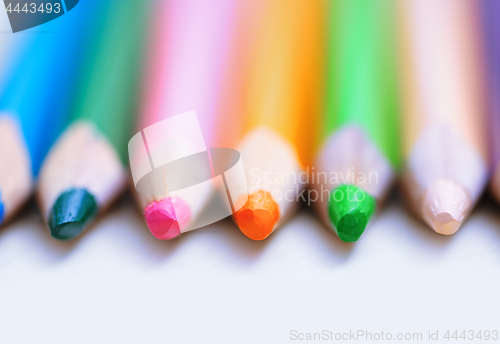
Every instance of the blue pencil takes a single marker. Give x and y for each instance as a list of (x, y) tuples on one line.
[(35, 96)]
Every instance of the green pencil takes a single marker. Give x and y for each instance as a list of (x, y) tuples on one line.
[(354, 169), (84, 171)]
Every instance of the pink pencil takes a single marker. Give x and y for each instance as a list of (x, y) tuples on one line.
[(188, 51)]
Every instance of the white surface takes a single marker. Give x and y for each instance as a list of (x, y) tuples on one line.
[(117, 284)]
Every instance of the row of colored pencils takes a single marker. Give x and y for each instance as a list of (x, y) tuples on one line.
[(327, 102)]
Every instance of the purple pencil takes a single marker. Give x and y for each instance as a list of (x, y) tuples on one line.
[(491, 20)]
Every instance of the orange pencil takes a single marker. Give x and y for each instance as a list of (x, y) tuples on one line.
[(280, 94)]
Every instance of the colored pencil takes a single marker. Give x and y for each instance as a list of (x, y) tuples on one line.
[(491, 20), (355, 167), (187, 55), (444, 134), (15, 167), (34, 98), (16, 179), (84, 171), (9, 51), (280, 91)]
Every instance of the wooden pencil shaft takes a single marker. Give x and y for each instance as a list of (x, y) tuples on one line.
[(271, 165), (81, 159)]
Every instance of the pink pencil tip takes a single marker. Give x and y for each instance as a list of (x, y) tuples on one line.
[(166, 217)]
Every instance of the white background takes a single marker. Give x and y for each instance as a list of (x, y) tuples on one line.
[(118, 284)]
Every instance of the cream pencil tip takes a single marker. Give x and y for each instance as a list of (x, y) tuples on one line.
[(445, 206), (445, 223)]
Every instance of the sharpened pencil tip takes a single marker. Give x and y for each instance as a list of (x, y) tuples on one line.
[(352, 225), (72, 213), (166, 217), (350, 209), (445, 224), (257, 218), (445, 206)]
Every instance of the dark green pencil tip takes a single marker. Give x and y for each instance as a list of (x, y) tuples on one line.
[(350, 209), (71, 214)]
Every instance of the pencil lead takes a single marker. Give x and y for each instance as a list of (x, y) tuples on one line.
[(166, 217), (350, 209), (257, 218), (445, 206), (71, 214), (445, 223)]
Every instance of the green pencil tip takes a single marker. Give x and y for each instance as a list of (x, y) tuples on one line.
[(350, 209), (71, 214)]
